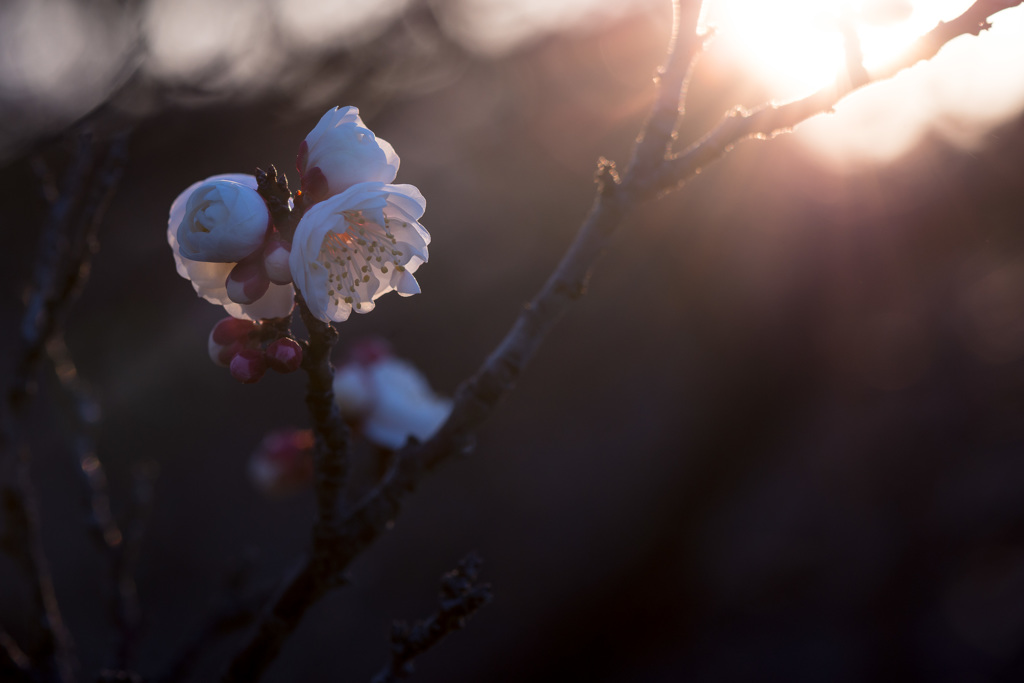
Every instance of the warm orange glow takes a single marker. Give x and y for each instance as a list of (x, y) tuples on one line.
[(795, 47)]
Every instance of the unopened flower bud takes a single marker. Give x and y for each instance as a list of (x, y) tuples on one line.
[(284, 355), (283, 462), (340, 152), (275, 260), (224, 222), (247, 281), (227, 338), (208, 278), (248, 366)]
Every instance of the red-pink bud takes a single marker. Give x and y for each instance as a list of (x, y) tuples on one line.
[(228, 337), (248, 281), (248, 366), (275, 259), (229, 329), (284, 355), (370, 350)]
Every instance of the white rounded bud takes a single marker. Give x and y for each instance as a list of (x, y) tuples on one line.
[(224, 222)]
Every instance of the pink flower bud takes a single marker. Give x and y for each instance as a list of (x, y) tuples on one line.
[(248, 366), (247, 281), (227, 338), (275, 260), (284, 355), (229, 329), (369, 350), (283, 462)]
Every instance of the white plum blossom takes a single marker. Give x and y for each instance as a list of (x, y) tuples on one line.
[(209, 278), (354, 247), (224, 222), (387, 398), (340, 152)]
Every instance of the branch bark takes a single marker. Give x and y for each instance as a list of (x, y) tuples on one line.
[(461, 597)]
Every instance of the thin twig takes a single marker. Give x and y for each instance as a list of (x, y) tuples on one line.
[(120, 546), (460, 598)]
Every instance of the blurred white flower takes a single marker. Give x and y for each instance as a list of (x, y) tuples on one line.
[(340, 152), (224, 222), (209, 279), (387, 398), (354, 247)]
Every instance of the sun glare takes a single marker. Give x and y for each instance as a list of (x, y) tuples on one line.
[(795, 47)]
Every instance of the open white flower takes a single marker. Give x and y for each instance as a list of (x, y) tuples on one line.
[(354, 247), (387, 398), (340, 152), (224, 222), (209, 278)]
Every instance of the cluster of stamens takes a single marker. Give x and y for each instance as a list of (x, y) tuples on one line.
[(371, 244)]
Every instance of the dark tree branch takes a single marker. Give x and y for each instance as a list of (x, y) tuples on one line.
[(460, 598), (650, 172)]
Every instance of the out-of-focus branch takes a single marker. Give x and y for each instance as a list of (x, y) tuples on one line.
[(53, 658), (237, 614), (769, 120), (14, 663), (66, 245), (120, 546), (461, 597)]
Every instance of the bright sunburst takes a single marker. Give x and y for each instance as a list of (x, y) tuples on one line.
[(796, 46)]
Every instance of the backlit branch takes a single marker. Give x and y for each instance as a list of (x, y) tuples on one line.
[(651, 171), (769, 120)]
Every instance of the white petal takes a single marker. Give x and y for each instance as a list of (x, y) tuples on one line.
[(406, 284), (276, 303)]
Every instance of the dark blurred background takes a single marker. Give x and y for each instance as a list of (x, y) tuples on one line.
[(780, 438)]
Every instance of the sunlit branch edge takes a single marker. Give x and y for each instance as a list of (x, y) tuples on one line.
[(769, 120)]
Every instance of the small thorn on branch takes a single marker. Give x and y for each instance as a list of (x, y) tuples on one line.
[(460, 598)]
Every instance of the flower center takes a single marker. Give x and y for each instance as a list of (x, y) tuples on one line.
[(348, 255)]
